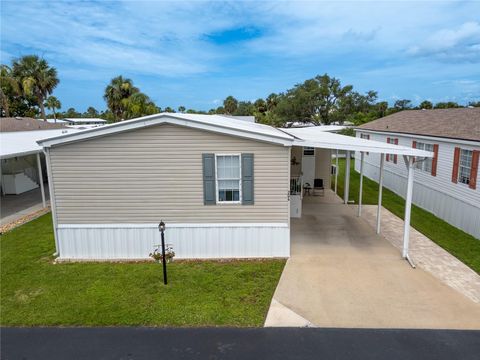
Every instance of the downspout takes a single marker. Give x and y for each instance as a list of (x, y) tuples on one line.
[(52, 200)]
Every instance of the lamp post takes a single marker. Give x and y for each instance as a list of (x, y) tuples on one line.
[(161, 228)]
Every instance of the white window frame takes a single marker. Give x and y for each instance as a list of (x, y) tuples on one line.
[(460, 167), (239, 182), (420, 165)]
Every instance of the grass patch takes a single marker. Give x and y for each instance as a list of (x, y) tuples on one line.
[(35, 292), (457, 242)]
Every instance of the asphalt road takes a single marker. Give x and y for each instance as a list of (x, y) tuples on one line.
[(236, 343)]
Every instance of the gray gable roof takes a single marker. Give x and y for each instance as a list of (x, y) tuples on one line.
[(462, 123), (26, 124)]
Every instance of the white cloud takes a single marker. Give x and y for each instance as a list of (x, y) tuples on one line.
[(459, 44)]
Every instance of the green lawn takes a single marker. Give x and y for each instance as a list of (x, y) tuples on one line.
[(460, 244), (34, 291)]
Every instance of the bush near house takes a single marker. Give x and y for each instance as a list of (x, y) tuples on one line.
[(457, 242), (35, 291)]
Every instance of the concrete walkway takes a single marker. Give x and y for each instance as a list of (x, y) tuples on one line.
[(14, 207), (341, 274), (426, 254)]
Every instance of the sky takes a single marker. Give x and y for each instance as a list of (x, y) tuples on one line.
[(197, 53)]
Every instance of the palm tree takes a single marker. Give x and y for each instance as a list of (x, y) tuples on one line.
[(8, 85), (118, 90), (137, 105), (52, 103), (36, 78)]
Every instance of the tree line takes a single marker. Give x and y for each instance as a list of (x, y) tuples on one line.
[(28, 83)]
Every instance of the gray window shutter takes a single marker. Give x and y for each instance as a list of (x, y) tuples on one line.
[(209, 195), (247, 179)]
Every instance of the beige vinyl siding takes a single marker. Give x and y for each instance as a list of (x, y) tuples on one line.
[(155, 173)]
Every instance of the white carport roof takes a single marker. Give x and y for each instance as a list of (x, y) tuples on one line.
[(315, 136), (22, 143), (318, 138)]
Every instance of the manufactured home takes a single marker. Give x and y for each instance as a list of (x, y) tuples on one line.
[(446, 185), (223, 186)]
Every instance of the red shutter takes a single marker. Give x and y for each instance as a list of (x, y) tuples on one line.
[(456, 160), (435, 160), (474, 170), (395, 141), (388, 155)]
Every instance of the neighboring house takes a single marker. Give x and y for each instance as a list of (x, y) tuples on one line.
[(446, 185), (20, 171), (79, 121), (222, 185)]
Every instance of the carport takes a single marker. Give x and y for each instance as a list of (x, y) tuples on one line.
[(21, 180), (317, 138), (342, 274)]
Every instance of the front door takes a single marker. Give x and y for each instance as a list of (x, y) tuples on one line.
[(308, 165)]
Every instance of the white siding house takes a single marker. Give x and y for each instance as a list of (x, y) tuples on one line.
[(446, 185)]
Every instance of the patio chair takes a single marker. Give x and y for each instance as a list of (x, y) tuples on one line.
[(318, 186)]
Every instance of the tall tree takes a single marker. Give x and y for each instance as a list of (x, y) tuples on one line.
[(91, 112), (315, 100), (425, 105), (447, 105), (36, 78), (118, 90), (230, 105), (181, 109), (402, 104), (9, 88), (137, 105), (52, 103)]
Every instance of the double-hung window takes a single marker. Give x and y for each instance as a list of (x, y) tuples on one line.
[(392, 157), (366, 137), (426, 164), (228, 168), (465, 166)]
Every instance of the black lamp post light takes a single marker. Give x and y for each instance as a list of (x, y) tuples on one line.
[(161, 228)]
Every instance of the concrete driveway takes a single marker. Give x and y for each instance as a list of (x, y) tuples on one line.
[(341, 274)]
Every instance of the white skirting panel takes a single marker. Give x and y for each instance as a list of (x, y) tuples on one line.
[(190, 241)]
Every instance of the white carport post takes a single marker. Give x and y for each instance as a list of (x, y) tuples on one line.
[(336, 170), (360, 192), (408, 207), (40, 179), (346, 188), (380, 189)]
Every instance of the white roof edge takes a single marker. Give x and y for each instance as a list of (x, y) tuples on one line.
[(234, 127), (419, 136), (374, 148)]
